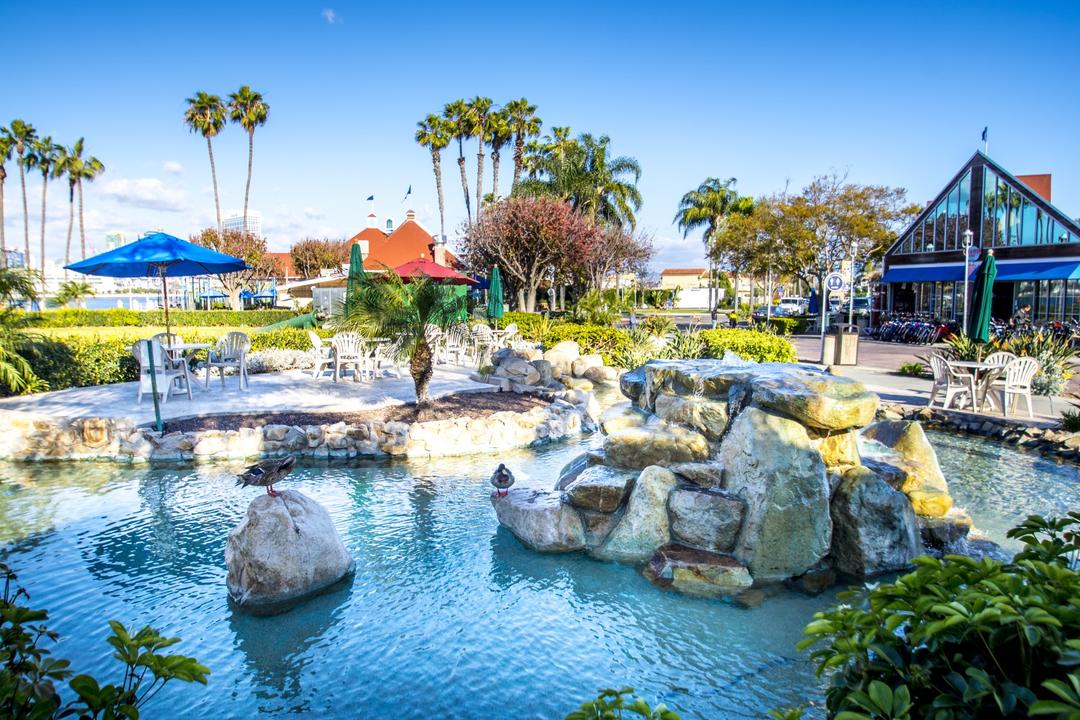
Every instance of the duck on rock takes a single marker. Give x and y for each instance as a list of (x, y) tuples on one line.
[(267, 472), (502, 479)]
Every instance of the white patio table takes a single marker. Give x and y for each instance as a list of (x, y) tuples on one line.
[(989, 374)]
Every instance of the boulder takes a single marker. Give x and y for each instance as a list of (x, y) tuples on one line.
[(598, 525), (708, 519), (708, 417), (600, 488), (519, 371), (659, 444), (874, 528), (769, 463), (570, 348), (945, 531), (631, 383), (622, 415), (838, 450), (576, 383), (915, 469), (584, 362), (705, 474), (697, 572), (601, 374), (644, 525), (285, 548), (815, 398), (540, 520), (546, 372), (571, 470)]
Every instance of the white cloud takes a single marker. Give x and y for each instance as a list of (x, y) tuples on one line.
[(172, 167), (314, 213), (148, 193), (677, 252), (331, 17)]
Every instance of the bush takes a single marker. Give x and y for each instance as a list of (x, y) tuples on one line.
[(658, 325), (530, 325), (749, 345), (1070, 419), (912, 369), (785, 325), (119, 317), (600, 339), (616, 704)]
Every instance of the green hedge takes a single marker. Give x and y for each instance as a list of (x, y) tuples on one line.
[(749, 345), (530, 325), (119, 317)]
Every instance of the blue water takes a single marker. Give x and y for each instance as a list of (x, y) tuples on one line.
[(447, 616)]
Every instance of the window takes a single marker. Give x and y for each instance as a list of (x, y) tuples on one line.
[(1029, 223), (1055, 299), (947, 290), (964, 210), (1025, 294), (951, 222), (915, 241), (989, 196), (1072, 300), (1014, 218)]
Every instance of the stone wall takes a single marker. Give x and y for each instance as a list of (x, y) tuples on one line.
[(29, 437)]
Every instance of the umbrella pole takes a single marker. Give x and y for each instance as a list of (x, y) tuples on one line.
[(165, 294), (153, 387)]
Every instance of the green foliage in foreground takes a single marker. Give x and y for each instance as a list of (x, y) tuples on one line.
[(30, 675), (120, 317), (1070, 419), (614, 704), (912, 369), (749, 345)]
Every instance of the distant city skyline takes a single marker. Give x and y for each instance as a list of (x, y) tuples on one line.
[(889, 94)]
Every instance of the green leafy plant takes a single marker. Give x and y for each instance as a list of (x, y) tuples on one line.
[(72, 292), (1053, 353), (685, 345), (531, 326), (599, 308), (912, 369), (640, 349), (614, 704), (29, 674), (599, 339), (748, 344), (658, 325), (120, 317), (1070, 419)]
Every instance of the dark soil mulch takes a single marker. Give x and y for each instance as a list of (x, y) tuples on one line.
[(474, 405)]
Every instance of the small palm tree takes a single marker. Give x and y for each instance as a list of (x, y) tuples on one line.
[(479, 112), (73, 292), (433, 132), (389, 307), (457, 114), (6, 147), (22, 136), (205, 115), (44, 157), (499, 134), (524, 124), (248, 108), (16, 285)]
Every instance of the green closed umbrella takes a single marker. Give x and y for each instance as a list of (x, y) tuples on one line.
[(357, 276), (978, 327), (495, 295)]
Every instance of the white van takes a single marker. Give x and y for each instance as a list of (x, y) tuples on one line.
[(792, 306)]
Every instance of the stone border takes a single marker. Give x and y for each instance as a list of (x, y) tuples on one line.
[(1052, 442), (36, 438)]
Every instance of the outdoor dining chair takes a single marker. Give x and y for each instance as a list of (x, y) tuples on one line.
[(167, 375), (457, 347), (350, 350), (1017, 382), (994, 380), (509, 335), (388, 354), (952, 382), (230, 352), (322, 354), (434, 336)]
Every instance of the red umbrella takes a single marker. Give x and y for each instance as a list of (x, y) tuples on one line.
[(421, 267)]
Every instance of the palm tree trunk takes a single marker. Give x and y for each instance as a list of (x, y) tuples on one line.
[(3, 240), (495, 174), (464, 180), (519, 158), (44, 190), (25, 211), (421, 369), (213, 178), (71, 224), (82, 226), (480, 175), (436, 164), (247, 187)]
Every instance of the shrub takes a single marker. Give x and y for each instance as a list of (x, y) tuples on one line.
[(531, 325), (641, 347), (657, 298), (1070, 419), (685, 345), (912, 369), (658, 325), (615, 704), (119, 317), (599, 308), (600, 339), (749, 345), (785, 325)]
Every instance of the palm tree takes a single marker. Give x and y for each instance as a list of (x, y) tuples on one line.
[(457, 114), (524, 124), (707, 208), (73, 292), (248, 108), (499, 134), (388, 307), (5, 155), (16, 285), (22, 135), (69, 163), (205, 114), (479, 112), (433, 132), (91, 167), (44, 157)]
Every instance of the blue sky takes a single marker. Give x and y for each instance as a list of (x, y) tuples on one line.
[(770, 93)]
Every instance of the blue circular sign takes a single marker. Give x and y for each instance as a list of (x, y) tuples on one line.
[(834, 282)]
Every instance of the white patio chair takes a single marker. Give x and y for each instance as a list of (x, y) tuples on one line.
[(484, 341), (435, 339), (388, 354), (350, 350), (952, 382), (457, 347), (166, 375), (994, 380), (509, 335), (322, 354), (176, 358), (230, 352), (1017, 382)]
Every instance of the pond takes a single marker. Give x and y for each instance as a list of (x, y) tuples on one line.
[(447, 616)]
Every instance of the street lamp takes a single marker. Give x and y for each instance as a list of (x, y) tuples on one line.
[(968, 235)]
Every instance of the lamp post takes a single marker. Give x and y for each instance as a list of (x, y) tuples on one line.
[(968, 235)]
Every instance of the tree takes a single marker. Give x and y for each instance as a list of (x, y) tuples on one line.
[(388, 307), (89, 169), (69, 163), (708, 208), (44, 156), (22, 135), (611, 250), (205, 115), (433, 132), (73, 292), (17, 285), (248, 108), (524, 124), (530, 238), (457, 115), (479, 109), (250, 248), (6, 146), (499, 135), (312, 255)]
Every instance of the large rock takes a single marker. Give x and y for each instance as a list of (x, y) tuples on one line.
[(644, 525), (769, 463), (571, 470), (601, 374), (519, 370), (916, 471), (584, 362), (874, 527), (285, 548), (708, 519), (540, 520), (600, 488), (659, 444), (816, 399), (622, 415), (697, 572), (708, 417), (705, 474), (562, 357), (838, 450), (631, 383), (546, 372)]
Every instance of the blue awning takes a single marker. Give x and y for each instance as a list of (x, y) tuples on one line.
[(1050, 270), (929, 273)]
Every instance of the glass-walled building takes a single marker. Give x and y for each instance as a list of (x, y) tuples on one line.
[(1037, 248)]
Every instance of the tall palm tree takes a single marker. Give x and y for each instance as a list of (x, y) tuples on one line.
[(5, 155), (479, 112), (524, 124), (433, 132), (69, 163), (205, 115), (44, 157), (707, 208), (22, 135), (248, 108), (499, 134), (457, 114), (91, 167)]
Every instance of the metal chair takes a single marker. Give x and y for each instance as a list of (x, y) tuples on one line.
[(457, 347), (322, 354), (166, 374), (949, 380), (509, 335), (349, 350), (1017, 382), (230, 352)]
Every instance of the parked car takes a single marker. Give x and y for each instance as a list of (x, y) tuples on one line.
[(860, 306), (793, 305)]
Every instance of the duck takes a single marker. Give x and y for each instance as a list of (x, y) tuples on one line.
[(502, 479), (267, 472)]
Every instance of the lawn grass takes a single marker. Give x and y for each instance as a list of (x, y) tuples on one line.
[(138, 332)]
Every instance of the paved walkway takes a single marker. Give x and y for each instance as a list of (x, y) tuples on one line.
[(292, 391)]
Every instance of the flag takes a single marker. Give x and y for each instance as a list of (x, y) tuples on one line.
[(407, 194), (371, 198), (986, 131)]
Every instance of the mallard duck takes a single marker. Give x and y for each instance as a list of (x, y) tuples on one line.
[(267, 472), (502, 479)]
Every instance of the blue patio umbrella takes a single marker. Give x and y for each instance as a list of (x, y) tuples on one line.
[(812, 306)]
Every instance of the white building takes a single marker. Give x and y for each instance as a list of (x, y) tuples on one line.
[(115, 239), (236, 222)]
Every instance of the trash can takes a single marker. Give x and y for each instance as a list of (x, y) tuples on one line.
[(847, 345), (828, 347)]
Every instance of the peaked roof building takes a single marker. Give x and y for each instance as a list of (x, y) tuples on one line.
[(396, 246)]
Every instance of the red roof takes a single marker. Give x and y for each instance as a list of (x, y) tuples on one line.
[(683, 271), (408, 242), (421, 266), (284, 263)]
